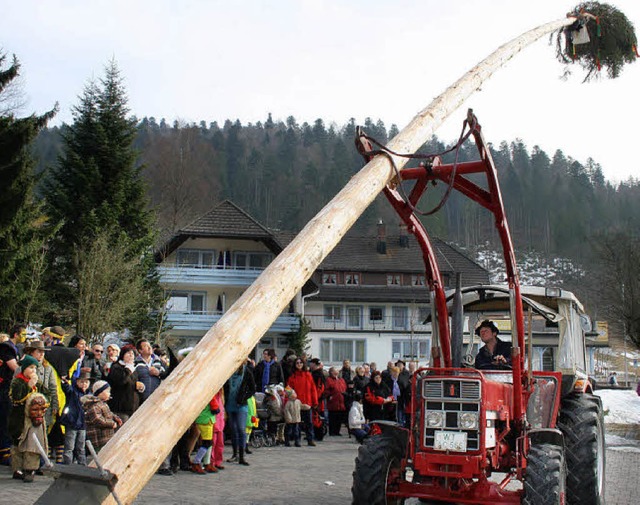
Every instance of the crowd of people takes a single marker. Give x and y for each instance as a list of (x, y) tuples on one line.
[(59, 391)]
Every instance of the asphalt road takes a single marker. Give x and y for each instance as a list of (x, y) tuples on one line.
[(297, 476)]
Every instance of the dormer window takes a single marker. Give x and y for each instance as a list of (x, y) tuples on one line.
[(417, 280), (394, 279), (330, 278), (352, 279)]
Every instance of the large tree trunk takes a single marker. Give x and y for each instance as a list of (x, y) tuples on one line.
[(138, 448)]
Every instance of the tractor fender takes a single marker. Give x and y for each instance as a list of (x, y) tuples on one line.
[(546, 436), (392, 429)]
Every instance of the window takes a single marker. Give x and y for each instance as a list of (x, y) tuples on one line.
[(251, 260), (417, 280), (394, 280), (354, 317), (337, 350), (376, 314), (186, 302), (332, 313), (548, 362), (352, 279), (410, 349), (330, 278), (195, 258), (400, 319)]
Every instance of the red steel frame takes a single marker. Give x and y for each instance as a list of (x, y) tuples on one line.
[(482, 491)]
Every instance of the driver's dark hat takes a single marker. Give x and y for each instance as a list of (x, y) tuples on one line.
[(487, 324)]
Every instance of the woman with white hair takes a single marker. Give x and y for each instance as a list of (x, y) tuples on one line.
[(112, 356)]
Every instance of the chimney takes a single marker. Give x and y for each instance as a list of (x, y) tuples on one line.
[(404, 238), (381, 246)]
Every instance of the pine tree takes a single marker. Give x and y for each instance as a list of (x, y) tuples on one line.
[(22, 232), (96, 188)]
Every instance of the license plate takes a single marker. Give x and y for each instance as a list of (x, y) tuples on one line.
[(450, 441)]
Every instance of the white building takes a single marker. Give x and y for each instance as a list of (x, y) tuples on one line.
[(366, 302)]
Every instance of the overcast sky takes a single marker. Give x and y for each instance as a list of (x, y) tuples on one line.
[(214, 60)]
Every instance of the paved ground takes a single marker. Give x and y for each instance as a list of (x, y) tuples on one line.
[(296, 476)]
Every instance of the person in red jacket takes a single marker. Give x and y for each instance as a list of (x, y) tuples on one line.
[(335, 392), (376, 398), (302, 383)]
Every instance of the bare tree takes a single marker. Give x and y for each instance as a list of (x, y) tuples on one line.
[(181, 172), (109, 286), (618, 258)]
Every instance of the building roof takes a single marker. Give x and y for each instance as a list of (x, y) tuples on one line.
[(227, 220), (359, 254)]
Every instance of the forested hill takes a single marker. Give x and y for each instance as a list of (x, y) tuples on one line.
[(283, 173)]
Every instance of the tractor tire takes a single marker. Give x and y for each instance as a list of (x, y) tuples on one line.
[(377, 459), (582, 422), (545, 476)]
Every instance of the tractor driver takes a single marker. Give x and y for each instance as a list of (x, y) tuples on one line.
[(495, 354)]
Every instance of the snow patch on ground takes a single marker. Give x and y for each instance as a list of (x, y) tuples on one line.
[(621, 444), (620, 406)]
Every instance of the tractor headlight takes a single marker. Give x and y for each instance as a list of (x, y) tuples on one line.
[(434, 419), (468, 420)]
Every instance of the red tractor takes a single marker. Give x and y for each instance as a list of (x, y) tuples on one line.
[(489, 436)]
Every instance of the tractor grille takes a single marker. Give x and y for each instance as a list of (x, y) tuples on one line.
[(452, 397)]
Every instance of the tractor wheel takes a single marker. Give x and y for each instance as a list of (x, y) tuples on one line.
[(582, 423), (377, 467), (545, 476)]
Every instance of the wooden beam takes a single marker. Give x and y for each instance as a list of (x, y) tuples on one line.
[(139, 447)]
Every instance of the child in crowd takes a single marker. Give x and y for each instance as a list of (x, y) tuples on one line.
[(101, 423), (357, 422), (292, 419), (252, 421), (218, 433), (27, 454), (73, 420), (273, 403), (23, 386), (205, 423)]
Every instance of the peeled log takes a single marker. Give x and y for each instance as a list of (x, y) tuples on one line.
[(139, 447)]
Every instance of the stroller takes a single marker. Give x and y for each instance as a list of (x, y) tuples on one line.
[(260, 437)]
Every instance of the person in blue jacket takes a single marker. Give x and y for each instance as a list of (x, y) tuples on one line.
[(73, 420)]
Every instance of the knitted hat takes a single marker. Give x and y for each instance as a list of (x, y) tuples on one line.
[(289, 391), (28, 361), (99, 387)]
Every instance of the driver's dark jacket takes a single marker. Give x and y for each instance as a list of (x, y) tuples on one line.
[(484, 359)]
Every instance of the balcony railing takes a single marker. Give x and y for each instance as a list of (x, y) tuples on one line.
[(222, 276), (202, 321), (321, 322)]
